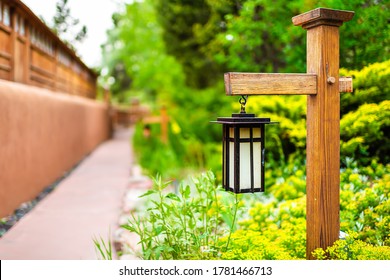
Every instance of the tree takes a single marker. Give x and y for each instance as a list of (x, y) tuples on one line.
[(188, 28), (262, 38), (209, 37), (66, 26), (177, 18), (135, 50)]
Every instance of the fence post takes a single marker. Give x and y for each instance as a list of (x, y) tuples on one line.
[(164, 125)]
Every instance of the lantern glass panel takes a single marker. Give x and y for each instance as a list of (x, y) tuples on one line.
[(231, 164), (250, 158), (245, 132)]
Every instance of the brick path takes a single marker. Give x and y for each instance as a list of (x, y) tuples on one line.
[(84, 205)]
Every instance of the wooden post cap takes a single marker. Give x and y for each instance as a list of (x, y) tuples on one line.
[(322, 16)]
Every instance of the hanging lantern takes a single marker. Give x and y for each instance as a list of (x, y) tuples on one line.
[(243, 151)]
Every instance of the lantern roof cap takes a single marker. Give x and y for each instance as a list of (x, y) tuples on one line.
[(243, 118)]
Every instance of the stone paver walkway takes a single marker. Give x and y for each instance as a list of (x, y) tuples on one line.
[(84, 205)]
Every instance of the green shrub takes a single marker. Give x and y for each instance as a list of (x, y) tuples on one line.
[(153, 155), (371, 85), (251, 245), (278, 228), (174, 159), (353, 249), (365, 204), (364, 133)]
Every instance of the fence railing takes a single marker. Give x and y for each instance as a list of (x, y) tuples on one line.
[(31, 53)]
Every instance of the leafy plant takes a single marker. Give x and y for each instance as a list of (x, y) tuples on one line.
[(365, 204), (103, 248), (363, 133), (371, 85), (186, 224), (353, 249)]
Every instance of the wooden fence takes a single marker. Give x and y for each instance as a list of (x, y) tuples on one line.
[(32, 54)]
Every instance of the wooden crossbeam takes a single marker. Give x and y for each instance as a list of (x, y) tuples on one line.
[(277, 84), (151, 120)]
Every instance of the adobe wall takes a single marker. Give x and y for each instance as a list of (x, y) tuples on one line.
[(42, 135)]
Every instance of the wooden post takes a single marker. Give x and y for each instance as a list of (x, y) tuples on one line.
[(27, 52), (323, 126), (107, 95), (13, 38), (164, 125)]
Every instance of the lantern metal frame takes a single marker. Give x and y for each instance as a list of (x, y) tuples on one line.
[(236, 123)]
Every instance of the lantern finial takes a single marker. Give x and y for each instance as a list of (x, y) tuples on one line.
[(242, 101)]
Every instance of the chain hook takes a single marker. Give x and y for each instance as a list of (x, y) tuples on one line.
[(242, 101)]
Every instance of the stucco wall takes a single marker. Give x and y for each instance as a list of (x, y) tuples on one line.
[(42, 135)]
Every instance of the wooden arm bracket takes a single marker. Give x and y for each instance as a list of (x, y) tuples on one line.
[(277, 84)]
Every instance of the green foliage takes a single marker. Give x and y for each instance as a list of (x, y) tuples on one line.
[(364, 133), (269, 226), (182, 154), (155, 156), (366, 38), (371, 85), (364, 202), (251, 245), (104, 249), (178, 19), (274, 229), (211, 37), (186, 224), (135, 56), (353, 249), (261, 38), (64, 25)]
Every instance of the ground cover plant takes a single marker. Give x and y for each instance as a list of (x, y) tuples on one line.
[(204, 222)]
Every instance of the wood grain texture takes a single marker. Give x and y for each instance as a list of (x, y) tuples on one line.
[(272, 84), (345, 84), (323, 140), (25, 56), (323, 126), (277, 84), (322, 16)]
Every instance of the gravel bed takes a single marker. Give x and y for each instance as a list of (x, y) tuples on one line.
[(9, 221)]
